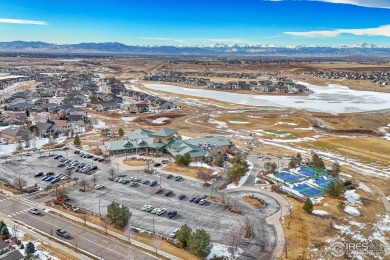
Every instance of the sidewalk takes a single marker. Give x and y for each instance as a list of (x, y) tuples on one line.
[(120, 236), (274, 220)]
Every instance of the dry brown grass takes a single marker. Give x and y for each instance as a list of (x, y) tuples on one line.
[(367, 150), (55, 252), (10, 189), (185, 170), (130, 162), (254, 202)]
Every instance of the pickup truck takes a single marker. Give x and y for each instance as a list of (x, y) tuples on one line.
[(62, 233)]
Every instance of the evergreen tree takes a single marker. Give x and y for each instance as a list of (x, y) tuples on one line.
[(236, 172), (2, 224), (30, 248), (336, 169), (330, 190), (124, 216), (27, 113), (293, 162), (183, 236), (270, 167), (4, 231), (199, 243), (308, 206), (339, 188), (77, 140), (299, 158), (317, 162), (341, 205), (218, 160), (118, 214), (183, 160), (121, 132)]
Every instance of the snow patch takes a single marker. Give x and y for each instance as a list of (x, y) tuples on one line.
[(160, 120), (284, 123), (320, 212), (364, 187), (238, 122), (352, 210), (352, 197), (223, 250)]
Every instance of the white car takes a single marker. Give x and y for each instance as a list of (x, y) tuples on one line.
[(160, 211), (34, 211), (174, 233), (99, 186), (202, 201), (154, 210), (147, 208), (64, 178)]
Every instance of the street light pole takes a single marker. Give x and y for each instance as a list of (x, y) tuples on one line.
[(100, 215)]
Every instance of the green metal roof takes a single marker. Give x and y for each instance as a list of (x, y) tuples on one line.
[(165, 131)]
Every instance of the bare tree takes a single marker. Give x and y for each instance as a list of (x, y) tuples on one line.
[(84, 217), (234, 238), (112, 172), (94, 179), (84, 183), (247, 226), (19, 183), (129, 232), (204, 175), (69, 172), (106, 223), (156, 242)]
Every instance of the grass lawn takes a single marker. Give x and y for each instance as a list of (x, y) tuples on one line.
[(282, 134), (10, 189), (134, 162), (184, 170), (254, 202), (238, 119)]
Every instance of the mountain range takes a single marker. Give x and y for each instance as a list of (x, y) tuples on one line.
[(364, 50)]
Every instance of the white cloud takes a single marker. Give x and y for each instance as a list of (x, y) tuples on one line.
[(161, 39), (20, 21), (365, 3), (378, 31)]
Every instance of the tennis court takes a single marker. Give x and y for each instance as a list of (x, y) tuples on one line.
[(323, 182), (288, 177), (307, 190)]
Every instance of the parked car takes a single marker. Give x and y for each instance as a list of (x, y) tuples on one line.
[(145, 181), (150, 208), (154, 210), (62, 233), (203, 196), (160, 211), (44, 178), (167, 193), (66, 198), (196, 200), (191, 199), (202, 202), (57, 157), (125, 181), (182, 196), (34, 211), (49, 173), (172, 214), (38, 174), (178, 178), (55, 180), (169, 176), (133, 184), (174, 233), (164, 161), (49, 178), (153, 183), (159, 190), (94, 168), (99, 186), (136, 179), (157, 164), (61, 165)]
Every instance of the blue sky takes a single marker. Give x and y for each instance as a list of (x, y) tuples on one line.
[(193, 22)]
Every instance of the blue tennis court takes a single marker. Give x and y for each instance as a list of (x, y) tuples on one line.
[(307, 190), (307, 172), (323, 182), (288, 177)]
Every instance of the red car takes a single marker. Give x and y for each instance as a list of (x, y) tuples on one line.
[(159, 190)]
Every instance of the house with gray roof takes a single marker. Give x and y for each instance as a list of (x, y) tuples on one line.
[(14, 134)]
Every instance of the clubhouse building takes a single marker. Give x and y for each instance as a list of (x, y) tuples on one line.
[(168, 141)]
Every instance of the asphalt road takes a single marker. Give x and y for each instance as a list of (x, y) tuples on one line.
[(85, 239)]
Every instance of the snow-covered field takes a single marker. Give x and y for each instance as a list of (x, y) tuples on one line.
[(320, 212), (332, 99), (160, 120), (35, 143)]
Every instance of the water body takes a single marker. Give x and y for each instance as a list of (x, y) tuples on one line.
[(331, 99)]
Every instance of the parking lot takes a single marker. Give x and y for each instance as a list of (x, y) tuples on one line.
[(212, 217)]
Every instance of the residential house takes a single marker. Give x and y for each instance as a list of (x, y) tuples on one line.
[(139, 108), (14, 134)]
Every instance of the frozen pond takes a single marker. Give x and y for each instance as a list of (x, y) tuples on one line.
[(331, 99)]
